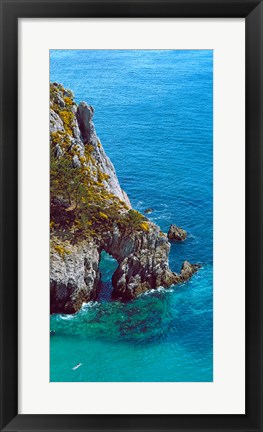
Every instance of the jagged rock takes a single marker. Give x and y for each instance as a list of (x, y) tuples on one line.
[(84, 116), (148, 210), (76, 162), (84, 133), (143, 265), (176, 233), (68, 93), (143, 261), (74, 276), (188, 270), (88, 134), (58, 150), (55, 122), (60, 101), (76, 134)]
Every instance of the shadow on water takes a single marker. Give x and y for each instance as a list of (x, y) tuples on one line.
[(108, 265)]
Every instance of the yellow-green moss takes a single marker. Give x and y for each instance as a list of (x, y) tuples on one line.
[(61, 250), (144, 226), (68, 101), (103, 215), (81, 205), (67, 118)]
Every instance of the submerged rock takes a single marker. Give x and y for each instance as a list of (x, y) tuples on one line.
[(148, 210), (176, 233)]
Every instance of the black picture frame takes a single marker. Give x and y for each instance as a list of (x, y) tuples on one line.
[(11, 11)]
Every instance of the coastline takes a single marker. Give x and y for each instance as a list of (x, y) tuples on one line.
[(90, 213), (162, 152)]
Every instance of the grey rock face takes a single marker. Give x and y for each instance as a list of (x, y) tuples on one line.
[(74, 276), (55, 122), (187, 271), (88, 135), (143, 262), (143, 265), (60, 101), (58, 151), (84, 133), (86, 127), (76, 162), (176, 233)]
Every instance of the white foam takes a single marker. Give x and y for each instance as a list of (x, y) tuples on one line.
[(66, 317), (159, 290), (89, 305)]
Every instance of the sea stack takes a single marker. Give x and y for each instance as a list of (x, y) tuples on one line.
[(176, 233)]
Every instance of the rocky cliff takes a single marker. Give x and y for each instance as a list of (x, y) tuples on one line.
[(89, 212)]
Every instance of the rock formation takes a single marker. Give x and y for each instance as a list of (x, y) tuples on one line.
[(148, 210), (74, 275), (91, 213), (176, 233)]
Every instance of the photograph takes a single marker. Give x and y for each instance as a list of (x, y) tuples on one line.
[(131, 215), (131, 246)]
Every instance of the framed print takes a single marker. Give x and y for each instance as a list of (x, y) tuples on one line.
[(131, 244)]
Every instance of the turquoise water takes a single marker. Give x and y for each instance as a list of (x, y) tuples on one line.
[(154, 116)]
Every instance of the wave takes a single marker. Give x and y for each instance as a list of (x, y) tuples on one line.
[(66, 317), (91, 304), (156, 290)]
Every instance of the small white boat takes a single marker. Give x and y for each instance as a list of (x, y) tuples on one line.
[(77, 366)]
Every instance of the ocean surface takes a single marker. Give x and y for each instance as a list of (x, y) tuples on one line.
[(154, 117)]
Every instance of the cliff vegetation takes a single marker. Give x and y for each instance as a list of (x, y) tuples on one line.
[(89, 213), (81, 204)]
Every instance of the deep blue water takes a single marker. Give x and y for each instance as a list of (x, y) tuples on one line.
[(154, 117)]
